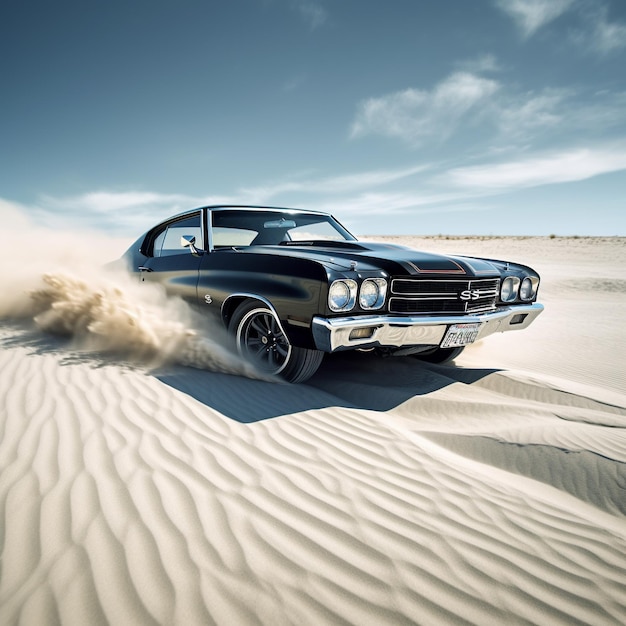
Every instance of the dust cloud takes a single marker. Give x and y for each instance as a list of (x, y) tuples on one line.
[(58, 281)]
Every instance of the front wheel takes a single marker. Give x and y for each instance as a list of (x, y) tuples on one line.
[(440, 355), (260, 339)]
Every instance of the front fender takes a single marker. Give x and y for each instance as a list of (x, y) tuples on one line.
[(290, 287)]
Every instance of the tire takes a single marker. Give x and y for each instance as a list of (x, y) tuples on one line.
[(440, 355), (260, 339)]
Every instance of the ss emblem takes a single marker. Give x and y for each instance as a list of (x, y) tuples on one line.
[(470, 294)]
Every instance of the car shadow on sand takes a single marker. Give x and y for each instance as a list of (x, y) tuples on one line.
[(354, 380), (349, 380)]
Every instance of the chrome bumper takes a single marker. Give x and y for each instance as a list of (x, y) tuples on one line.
[(332, 334)]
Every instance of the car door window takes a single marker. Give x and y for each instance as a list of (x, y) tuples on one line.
[(167, 242)]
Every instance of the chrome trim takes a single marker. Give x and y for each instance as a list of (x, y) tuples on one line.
[(407, 295), (353, 294), (515, 280), (381, 285), (438, 282), (332, 334), (252, 296), (206, 230), (534, 285), (209, 229)]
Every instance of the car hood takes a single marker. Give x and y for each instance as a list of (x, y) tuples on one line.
[(394, 259)]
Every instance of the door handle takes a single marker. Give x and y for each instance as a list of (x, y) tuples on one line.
[(143, 268)]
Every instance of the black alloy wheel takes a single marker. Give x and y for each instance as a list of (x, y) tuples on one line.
[(261, 340)]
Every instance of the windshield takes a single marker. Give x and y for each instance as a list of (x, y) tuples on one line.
[(255, 227)]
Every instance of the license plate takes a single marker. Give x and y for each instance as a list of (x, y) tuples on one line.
[(460, 335)]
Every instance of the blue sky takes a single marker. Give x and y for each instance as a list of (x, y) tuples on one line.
[(399, 117)]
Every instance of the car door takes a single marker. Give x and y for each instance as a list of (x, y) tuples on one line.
[(173, 258)]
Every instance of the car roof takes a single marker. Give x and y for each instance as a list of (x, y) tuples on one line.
[(255, 208)]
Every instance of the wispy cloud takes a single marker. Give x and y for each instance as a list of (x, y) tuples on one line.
[(112, 202), (390, 203), (459, 189), (466, 188), (117, 211), (124, 210), (520, 115), (531, 15), (362, 197), (535, 118), (414, 189), (508, 119), (598, 34), (348, 183), (480, 65), (560, 167), (312, 12), (415, 115)]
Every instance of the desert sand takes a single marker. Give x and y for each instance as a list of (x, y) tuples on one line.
[(149, 477)]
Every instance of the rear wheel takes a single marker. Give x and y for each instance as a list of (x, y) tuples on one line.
[(260, 339), (440, 355)]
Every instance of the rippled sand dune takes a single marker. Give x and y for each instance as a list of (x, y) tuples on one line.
[(383, 491)]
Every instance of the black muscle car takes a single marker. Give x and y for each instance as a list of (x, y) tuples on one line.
[(291, 285)]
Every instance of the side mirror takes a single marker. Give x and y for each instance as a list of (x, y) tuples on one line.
[(189, 241)]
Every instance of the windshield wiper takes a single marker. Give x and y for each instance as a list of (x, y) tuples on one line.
[(324, 243)]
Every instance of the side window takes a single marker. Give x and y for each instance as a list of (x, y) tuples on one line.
[(167, 242), (158, 243)]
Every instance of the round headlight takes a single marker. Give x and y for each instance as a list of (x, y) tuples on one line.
[(372, 293), (509, 288), (368, 294), (342, 295), (527, 289)]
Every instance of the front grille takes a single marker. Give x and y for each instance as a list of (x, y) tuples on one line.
[(465, 296)]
